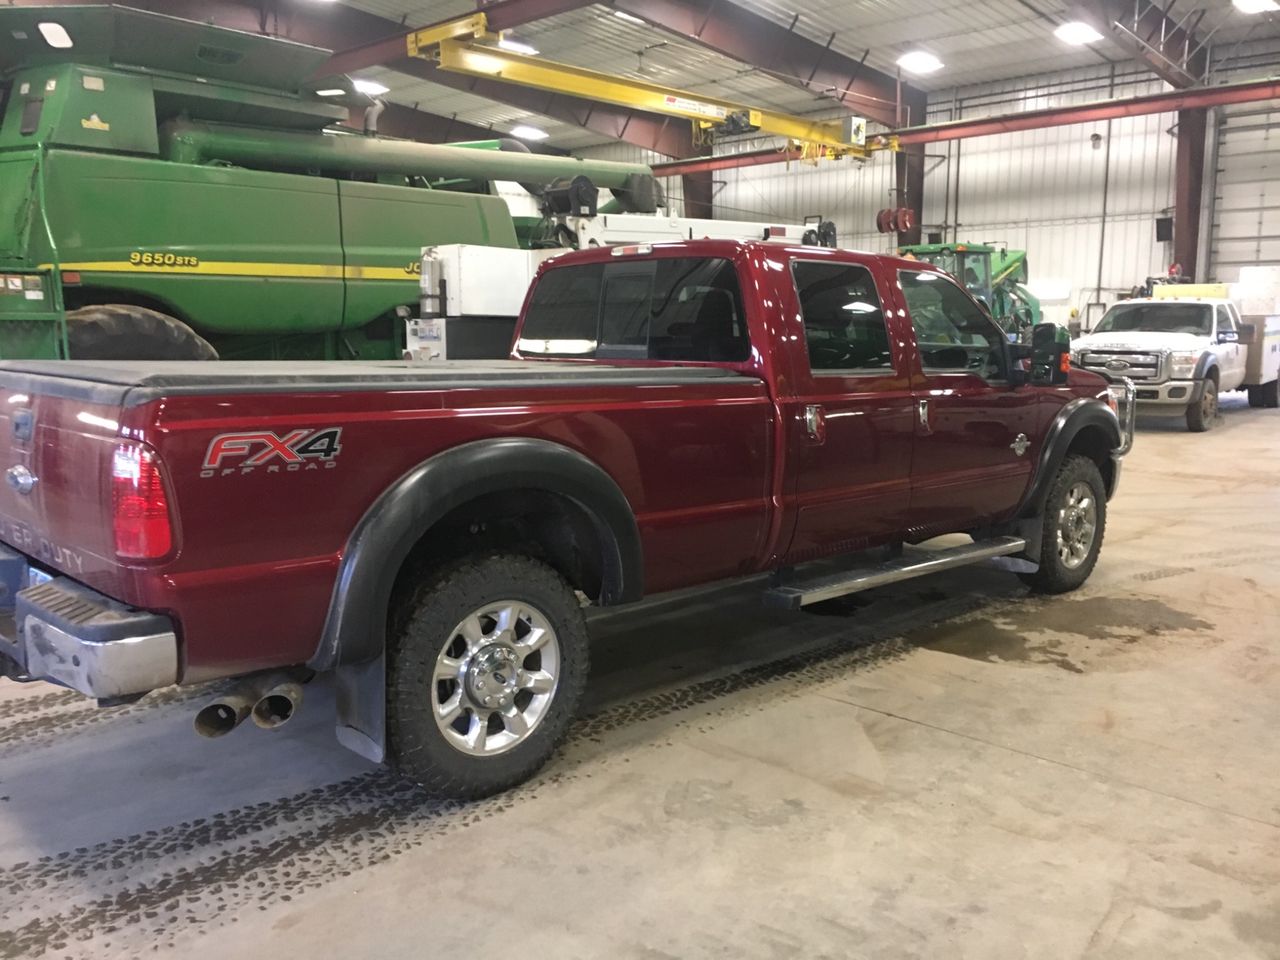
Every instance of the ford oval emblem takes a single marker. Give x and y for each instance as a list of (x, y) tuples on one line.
[(20, 479), (1117, 364)]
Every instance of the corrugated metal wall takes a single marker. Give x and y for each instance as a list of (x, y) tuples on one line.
[(1082, 200), (1246, 204)]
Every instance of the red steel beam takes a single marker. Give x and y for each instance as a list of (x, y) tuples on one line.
[(755, 158), (754, 39), (1250, 91)]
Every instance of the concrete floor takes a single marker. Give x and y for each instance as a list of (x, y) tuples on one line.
[(943, 769)]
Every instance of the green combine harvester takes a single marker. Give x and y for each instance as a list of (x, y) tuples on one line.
[(174, 190), (995, 275)]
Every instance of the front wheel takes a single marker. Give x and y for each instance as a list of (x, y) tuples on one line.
[(1075, 518), (1201, 414), (485, 671)]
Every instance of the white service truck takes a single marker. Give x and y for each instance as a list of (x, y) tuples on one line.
[(468, 287), (1185, 346)]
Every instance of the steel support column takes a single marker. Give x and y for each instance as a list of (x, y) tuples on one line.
[(908, 170), (1188, 187), (698, 189)]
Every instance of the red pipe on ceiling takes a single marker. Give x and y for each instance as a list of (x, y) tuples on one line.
[(1250, 91)]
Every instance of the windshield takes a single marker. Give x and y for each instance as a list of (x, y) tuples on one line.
[(1195, 318)]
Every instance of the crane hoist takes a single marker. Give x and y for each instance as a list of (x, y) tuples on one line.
[(467, 46)]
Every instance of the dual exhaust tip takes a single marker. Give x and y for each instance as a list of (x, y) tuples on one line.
[(271, 701)]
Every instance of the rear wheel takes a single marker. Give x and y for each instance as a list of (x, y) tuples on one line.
[(115, 331), (1201, 414), (1270, 394), (485, 671), (1255, 396), (1075, 519)]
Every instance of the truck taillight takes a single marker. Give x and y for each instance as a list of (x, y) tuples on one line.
[(139, 504)]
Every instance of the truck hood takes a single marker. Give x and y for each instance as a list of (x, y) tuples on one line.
[(1140, 340)]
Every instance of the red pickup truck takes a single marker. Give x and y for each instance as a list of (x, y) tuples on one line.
[(429, 534)]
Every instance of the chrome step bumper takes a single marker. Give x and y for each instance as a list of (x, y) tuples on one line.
[(63, 632), (914, 562)]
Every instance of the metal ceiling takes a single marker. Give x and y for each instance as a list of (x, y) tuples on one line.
[(978, 41)]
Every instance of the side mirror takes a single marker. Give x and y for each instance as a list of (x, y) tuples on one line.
[(1228, 336), (1050, 354), (1248, 333), (1018, 354)]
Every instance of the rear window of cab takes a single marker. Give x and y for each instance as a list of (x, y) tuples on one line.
[(682, 308)]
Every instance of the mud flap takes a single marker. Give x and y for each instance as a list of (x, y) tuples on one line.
[(361, 690)]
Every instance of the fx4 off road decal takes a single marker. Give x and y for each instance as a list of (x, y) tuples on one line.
[(261, 451)]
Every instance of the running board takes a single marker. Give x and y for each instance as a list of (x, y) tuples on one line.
[(912, 563)]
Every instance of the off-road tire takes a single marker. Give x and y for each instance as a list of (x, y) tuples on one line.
[(124, 332), (421, 629), (1054, 576), (1203, 412)]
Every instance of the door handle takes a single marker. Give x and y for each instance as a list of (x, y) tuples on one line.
[(815, 422), (922, 408)]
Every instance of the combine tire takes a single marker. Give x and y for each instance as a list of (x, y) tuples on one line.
[(124, 332)]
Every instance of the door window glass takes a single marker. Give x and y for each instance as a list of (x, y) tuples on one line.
[(1224, 320), (953, 334), (844, 327)]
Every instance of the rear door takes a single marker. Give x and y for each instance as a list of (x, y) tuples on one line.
[(975, 434), (849, 423)]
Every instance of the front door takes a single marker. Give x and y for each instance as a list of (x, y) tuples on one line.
[(976, 437), (849, 424), (1232, 356)]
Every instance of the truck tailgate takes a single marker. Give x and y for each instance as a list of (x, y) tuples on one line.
[(58, 437)]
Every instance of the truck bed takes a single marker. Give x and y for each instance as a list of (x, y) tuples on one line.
[(129, 383)]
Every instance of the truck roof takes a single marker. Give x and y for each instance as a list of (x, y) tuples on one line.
[(1214, 300), (728, 249)]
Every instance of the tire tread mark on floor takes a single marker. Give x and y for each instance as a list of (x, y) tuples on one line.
[(376, 815)]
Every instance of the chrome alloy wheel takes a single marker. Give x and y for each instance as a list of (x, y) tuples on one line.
[(1077, 525), (495, 678)]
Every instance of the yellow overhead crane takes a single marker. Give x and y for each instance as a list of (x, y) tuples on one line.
[(465, 46)]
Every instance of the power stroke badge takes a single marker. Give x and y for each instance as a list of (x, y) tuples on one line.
[(259, 451)]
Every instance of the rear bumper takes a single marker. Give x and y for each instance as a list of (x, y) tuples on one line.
[(65, 633)]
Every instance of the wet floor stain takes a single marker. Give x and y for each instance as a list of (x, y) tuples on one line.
[(1049, 631)]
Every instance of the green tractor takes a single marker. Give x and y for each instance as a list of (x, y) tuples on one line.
[(175, 190), (994, 275)]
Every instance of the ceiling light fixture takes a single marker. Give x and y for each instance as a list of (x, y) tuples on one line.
[(55, 35), (371, 87), (515, 46), (1255, 6), (919, 61), (1077, 33), (629, 17), (526, 132), (332, 92)]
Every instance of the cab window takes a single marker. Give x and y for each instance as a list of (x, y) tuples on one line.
[(953, 334), (683, 308), (844, 326), (1225, 321)]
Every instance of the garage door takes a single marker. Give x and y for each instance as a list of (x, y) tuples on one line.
[(1246, 216)]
